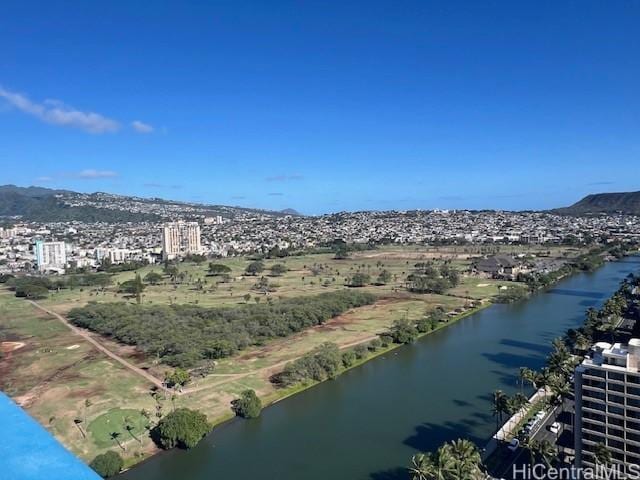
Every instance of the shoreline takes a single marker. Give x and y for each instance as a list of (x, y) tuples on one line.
[(285, 393)]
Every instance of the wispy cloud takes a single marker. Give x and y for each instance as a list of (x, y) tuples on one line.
[(141, 127), (161, 185), (57, 113), (275, 194), (90, 174), (284, 178)]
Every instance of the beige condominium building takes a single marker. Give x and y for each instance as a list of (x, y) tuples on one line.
[(180, 238), (607, 388)]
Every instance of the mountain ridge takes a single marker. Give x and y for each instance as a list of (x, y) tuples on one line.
[(599, 203), (53, 205)]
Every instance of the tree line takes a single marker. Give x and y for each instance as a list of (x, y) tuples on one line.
[(183, 335)]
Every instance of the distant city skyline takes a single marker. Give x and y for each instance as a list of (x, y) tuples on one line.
[(324, 107)]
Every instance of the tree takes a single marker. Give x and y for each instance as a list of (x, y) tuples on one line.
[(218, 269), (602, 455), (360, 279), (182, 428), (348, 358), (278, 269), (457, 460), (153, 278), (500, 406), (115, 436), (254, 268), (384, 277), (133, 287), (128, 426), (33, 292), (87, 405), (523, 376), (465, 459), (342, 252), (107, 464), (248, 405), (403, 331), (179, 377), (547, 452)]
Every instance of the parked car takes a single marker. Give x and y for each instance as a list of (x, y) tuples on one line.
[(514, 444), (555, 427)]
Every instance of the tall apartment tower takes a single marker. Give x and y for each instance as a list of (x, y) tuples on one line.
[(607, 387), (50, 255), (180, 238)]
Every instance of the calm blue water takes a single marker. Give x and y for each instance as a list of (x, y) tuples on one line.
[(368, 422)]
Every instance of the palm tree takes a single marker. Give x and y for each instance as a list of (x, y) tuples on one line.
[(115, 436), (531, 446), (87, 404), (518, 401), (499, 406), (524, 375), (561, 389), (422, 467), (547, 452), (129, 428), (145, 414), (443, 463), (465, 459), (78, 422), (432, 466), (602, 455)]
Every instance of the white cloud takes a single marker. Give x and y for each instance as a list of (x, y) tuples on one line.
[(57, 113), (91, 173), (141, 127)]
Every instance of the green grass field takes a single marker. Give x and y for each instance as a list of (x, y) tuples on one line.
[(55, 371)]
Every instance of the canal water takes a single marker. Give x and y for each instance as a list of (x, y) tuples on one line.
[(367, 423)]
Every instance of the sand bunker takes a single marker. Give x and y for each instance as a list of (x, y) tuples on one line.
[(482, 285), (11, 346), (73, 347)]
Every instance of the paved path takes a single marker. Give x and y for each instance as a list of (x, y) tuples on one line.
[(138, 371)]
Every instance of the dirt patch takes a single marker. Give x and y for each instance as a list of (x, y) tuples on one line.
[(87, 392)]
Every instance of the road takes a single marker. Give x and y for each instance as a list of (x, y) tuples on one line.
[(564, 438)]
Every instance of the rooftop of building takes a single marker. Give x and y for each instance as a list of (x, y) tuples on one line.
[(616, 356)]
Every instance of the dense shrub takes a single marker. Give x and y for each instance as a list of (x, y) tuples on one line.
[(181, 335), (318, 365)]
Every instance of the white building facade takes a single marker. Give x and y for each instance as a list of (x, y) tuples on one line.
[(607, 392), (51, 256)]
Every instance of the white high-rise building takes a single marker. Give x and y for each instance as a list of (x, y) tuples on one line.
[(607, 392), (51, 255), (180, 238)]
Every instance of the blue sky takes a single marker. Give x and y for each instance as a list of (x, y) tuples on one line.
[(324, 106)]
